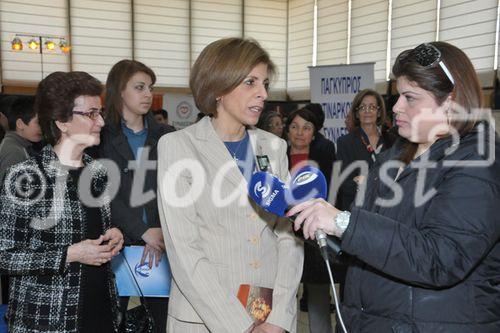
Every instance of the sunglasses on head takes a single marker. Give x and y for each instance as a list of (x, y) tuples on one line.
[(427, 55)]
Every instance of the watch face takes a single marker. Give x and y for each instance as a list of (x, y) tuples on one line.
[(342, 220)]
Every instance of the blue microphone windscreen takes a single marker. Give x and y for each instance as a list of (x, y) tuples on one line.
[(268, 191), (306, 183)]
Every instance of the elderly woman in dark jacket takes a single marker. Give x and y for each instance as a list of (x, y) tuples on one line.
[(56, 240), (427, 237)]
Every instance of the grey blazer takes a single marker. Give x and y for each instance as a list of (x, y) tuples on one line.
[(213, 246)]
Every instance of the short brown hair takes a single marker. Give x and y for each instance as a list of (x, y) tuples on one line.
[(305, 114), (358, 99), (221, 67), (465, 92), (117, 80), (55, 99)]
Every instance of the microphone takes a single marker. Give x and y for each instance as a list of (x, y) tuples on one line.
[(269, 192), (308, 183)]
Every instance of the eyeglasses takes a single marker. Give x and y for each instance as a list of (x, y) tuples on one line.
[(93, 114), (427, 55), (368, 107)]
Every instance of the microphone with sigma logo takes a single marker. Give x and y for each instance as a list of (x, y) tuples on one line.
[(272, 194)]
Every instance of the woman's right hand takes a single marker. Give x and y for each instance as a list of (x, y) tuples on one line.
[(90, 252), (155, 247), (154, 238)]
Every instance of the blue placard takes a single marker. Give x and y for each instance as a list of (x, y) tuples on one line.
[(154, 282)]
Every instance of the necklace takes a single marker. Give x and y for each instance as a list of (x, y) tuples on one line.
[(236, 150), (371, 150)]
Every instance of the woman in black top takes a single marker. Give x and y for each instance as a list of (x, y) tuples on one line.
[(129, 138), (426, 237)]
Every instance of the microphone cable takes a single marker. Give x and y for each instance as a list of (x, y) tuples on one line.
[(321, 238)]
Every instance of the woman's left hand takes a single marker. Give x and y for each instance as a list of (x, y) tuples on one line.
[(313, 215), (114, 237)]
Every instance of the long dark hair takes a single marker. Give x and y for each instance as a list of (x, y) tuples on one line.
[(116, 82), (466, 92)]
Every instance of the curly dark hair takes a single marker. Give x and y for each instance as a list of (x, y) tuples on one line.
[(55, 99)]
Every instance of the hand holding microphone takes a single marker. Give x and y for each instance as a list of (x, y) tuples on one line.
[(316, 214), (306, 193), (276, 197)]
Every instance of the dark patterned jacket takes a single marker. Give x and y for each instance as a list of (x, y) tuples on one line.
[(41, 215)]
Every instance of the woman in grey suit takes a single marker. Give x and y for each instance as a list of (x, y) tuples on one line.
[(217, 239)]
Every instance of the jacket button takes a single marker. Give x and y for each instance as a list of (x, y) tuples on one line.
[(255, 264), (125, 170), (254, 240)]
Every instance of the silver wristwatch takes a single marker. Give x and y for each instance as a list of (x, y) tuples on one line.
[(342, 220)]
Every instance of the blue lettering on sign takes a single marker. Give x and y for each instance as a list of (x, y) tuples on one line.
[(336, 110), (340, 85), (333, 133)]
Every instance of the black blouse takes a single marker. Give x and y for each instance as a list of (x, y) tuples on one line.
[(96, 307)]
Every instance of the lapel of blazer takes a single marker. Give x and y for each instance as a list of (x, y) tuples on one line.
[(263, 146), (119, 142), (215, 152)]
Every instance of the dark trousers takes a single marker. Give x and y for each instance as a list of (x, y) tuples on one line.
[(157, 306)]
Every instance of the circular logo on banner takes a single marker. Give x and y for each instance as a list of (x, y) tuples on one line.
[(184, 110)]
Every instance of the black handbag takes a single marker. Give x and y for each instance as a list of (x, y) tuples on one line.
[(138, 319)]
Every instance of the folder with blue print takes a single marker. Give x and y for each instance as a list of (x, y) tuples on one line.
[(154, 282)]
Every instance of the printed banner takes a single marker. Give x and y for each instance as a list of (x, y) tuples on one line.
[(181, 109), (334, 87)]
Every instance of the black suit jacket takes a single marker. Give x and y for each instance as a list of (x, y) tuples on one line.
[(127, 206), (350, 149)]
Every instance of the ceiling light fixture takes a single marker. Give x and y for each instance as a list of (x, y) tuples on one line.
[(33, 44), (50, 45), (17, 44)]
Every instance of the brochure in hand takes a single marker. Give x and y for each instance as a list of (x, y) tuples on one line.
[(154, 282)]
